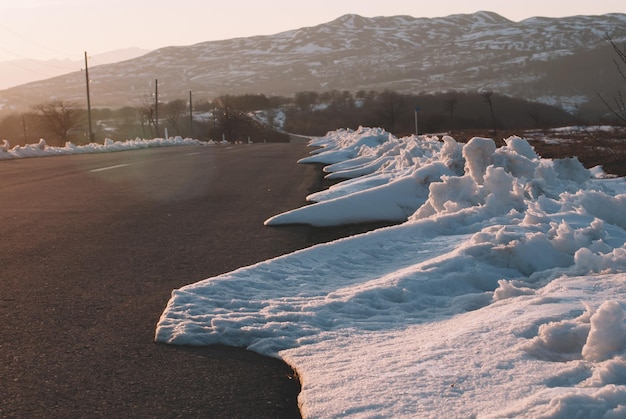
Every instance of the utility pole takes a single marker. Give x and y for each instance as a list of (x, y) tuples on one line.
[(24, 127), (190, 116), (91, 135), (156, 107), (417, 109)]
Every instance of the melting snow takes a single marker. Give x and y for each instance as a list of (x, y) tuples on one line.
[(500, 294)]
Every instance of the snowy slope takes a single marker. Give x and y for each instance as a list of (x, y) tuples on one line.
[(462, 52)]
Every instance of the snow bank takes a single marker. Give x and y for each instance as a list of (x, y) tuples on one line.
[(41, 149), (501, 293)]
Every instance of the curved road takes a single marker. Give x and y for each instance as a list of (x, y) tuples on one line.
[(91, 247)]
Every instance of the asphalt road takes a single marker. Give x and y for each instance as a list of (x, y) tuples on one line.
[(91, 247)]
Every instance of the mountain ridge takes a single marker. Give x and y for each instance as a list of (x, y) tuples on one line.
[(464, 52), (22, 71)]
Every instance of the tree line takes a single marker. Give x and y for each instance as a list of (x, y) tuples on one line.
[(226, 117), (316, 113), (232, 117)]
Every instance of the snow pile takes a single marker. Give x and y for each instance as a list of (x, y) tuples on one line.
[(41, 149), (501, 294)]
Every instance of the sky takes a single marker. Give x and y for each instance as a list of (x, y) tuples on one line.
[(62, 29), (501, 291)]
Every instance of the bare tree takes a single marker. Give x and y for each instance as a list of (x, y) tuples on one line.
[(451, 104), (618, 104), (174, 111), (486, 94), (58, 117), (389, 104), (226, 117), (305, 101), (146, 115)]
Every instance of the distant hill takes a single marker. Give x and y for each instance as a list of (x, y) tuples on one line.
[(561, 61), (18, 72)]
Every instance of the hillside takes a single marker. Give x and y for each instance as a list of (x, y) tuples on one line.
[(563, 61)]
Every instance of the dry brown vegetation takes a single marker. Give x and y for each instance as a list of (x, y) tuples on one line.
[(593, 146)]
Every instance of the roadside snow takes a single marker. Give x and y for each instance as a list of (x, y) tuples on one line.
[(500, 294)]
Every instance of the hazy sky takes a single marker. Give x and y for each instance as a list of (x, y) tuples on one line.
[(46, 29)]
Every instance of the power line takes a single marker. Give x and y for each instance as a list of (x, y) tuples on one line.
[(35, 43)]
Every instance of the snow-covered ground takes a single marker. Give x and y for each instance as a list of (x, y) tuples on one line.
[(501, 293), (41, 149)]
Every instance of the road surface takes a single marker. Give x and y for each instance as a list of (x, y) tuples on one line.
[(91, 247)]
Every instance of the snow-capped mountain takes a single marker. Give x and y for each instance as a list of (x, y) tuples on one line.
[(564, 61)]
